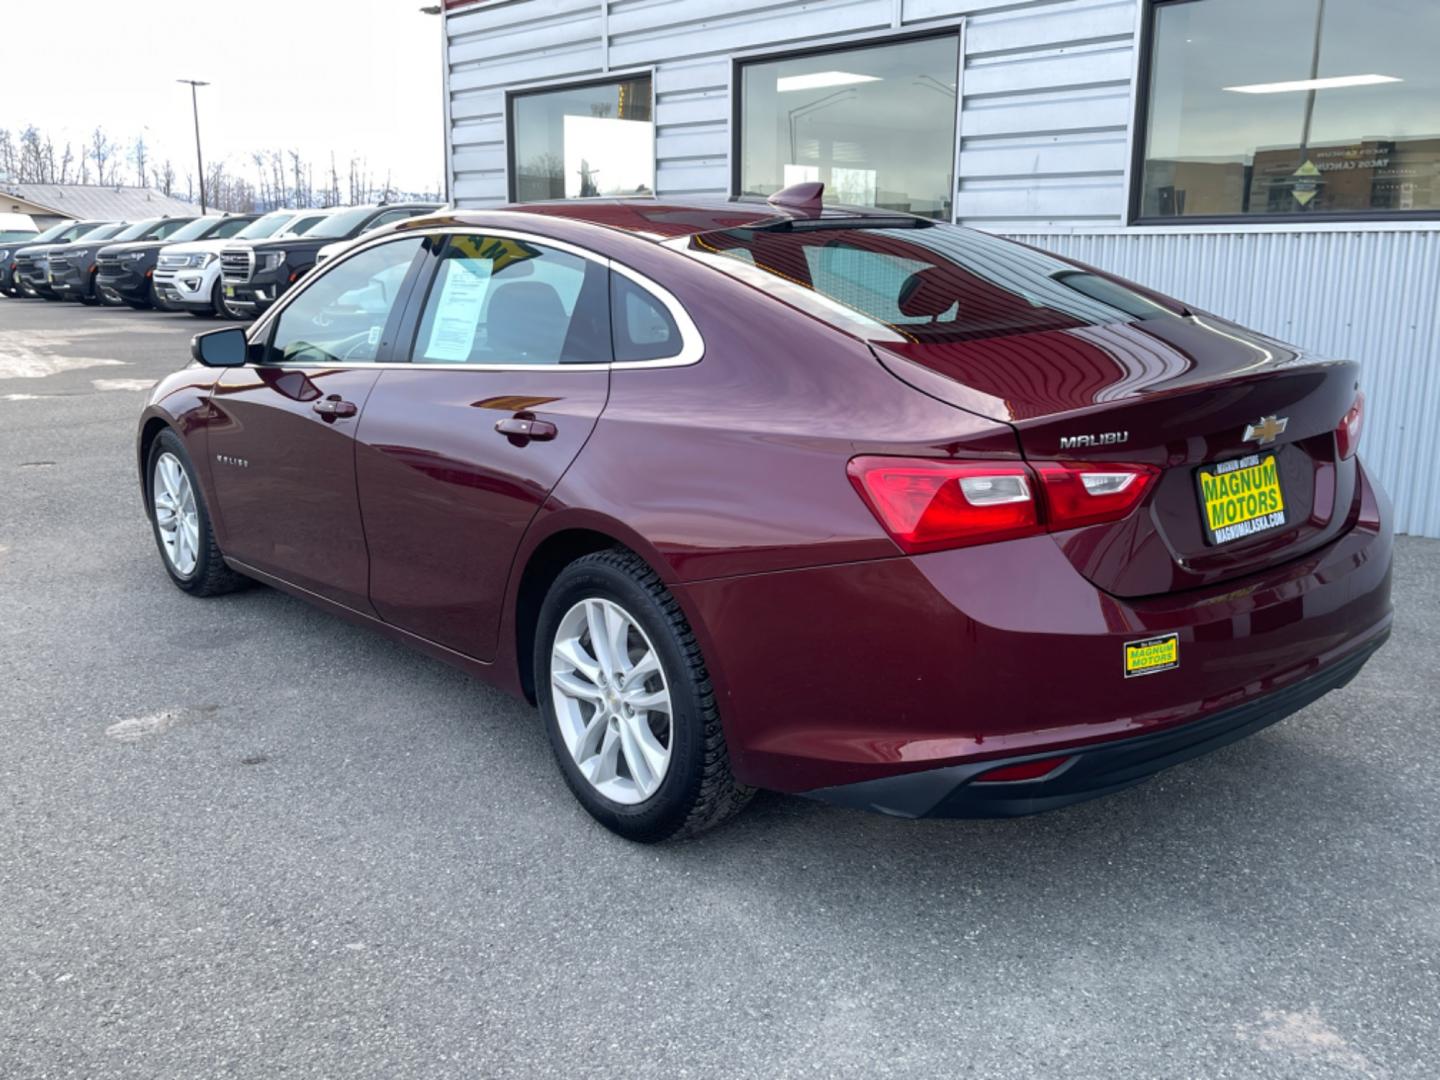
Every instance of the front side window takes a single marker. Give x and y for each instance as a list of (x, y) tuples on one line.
[(1291, 108), (875, 125), (340, 316), (500, 300), (583, 141)]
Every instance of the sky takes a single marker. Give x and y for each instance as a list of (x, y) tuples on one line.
[(359, 77)]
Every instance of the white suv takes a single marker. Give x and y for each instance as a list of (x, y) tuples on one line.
[(187, 276)]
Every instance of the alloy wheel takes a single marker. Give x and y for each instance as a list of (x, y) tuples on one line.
[(612, 701), (176, 515)]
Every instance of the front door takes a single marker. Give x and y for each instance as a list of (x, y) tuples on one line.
[(510, 357), (283, 446)]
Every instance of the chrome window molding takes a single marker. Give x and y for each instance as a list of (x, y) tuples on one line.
[(692, 347)]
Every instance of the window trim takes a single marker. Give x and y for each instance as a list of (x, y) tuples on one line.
[(551, 85), (941, 28), (1140, 119), (692, 352)]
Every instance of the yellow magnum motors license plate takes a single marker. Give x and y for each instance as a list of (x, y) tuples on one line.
[(1241, 497)]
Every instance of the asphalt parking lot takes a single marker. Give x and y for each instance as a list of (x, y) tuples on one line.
[(244, 839)]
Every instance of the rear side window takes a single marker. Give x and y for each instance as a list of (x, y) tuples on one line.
[(499, 300), (640, 323)]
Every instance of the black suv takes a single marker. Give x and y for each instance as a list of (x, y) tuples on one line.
[(25, 266), (70, 269), (256, 275), (127, 267)]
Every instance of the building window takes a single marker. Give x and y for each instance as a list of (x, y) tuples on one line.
[(578, 142), (1291, 108), (875, 124)]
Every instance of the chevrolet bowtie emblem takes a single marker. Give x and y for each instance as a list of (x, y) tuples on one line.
[(1266, 430)]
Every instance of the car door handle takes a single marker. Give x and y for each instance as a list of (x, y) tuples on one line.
[(520, 427), (332, 408)]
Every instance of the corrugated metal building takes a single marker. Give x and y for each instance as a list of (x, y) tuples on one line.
[(49, 204), (1277, 164)]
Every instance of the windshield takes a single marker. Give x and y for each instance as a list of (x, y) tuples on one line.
[(17, 234), (55, 232), (268, 225), (136, 231), (342, 224), (917, 283), (198, 228), (103, 232), (166, 229), (301, 226)]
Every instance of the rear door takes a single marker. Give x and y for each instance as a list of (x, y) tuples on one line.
[(509, 342), (282, 447)]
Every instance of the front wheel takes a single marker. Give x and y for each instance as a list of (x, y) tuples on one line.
[(181, 522), (628, 705)]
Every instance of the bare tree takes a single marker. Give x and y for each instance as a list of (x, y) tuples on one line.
[(102, 152), (140, 155), (10, 159), (66, 162)]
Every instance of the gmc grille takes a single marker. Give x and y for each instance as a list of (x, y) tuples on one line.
[(237, 265)]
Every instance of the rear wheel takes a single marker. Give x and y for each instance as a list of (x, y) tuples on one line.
[(181, 522), (628, 705)]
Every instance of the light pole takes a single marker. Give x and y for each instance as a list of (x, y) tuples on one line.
[(199, 160)]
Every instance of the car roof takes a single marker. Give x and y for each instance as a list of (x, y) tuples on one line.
[(665, 219)]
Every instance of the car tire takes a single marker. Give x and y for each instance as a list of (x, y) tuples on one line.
[(188, 552), (695, 790), (92, 297)]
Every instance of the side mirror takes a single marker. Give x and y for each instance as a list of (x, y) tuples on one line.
[(221, 348)]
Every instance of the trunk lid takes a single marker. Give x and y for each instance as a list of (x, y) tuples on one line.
[(1180, 393)]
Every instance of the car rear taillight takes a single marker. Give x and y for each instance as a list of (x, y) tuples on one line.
[(1078, 495), (931, 505), (1347, 435)]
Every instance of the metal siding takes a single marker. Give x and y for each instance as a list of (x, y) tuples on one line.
[(1046, 87), (1372, 296)]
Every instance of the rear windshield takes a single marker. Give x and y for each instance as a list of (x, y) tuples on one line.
[(919, 283), (17, 234)]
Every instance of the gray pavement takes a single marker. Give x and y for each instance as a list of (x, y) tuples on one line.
[(244, 839)]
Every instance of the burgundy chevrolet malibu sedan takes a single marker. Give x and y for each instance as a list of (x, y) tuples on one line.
[(762, 495)]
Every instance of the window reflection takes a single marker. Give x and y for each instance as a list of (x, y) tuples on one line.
[(583, 141), (876, 125), (1292, 107)]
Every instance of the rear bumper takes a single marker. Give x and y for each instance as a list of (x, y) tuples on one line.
[(1090, 771), (865, 672)]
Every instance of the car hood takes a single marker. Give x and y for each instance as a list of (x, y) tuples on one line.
[(190, 247), (138, 247), (292, 243)]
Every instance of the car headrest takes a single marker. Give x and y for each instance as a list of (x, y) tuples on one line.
[(925, 294), (527, 319)]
